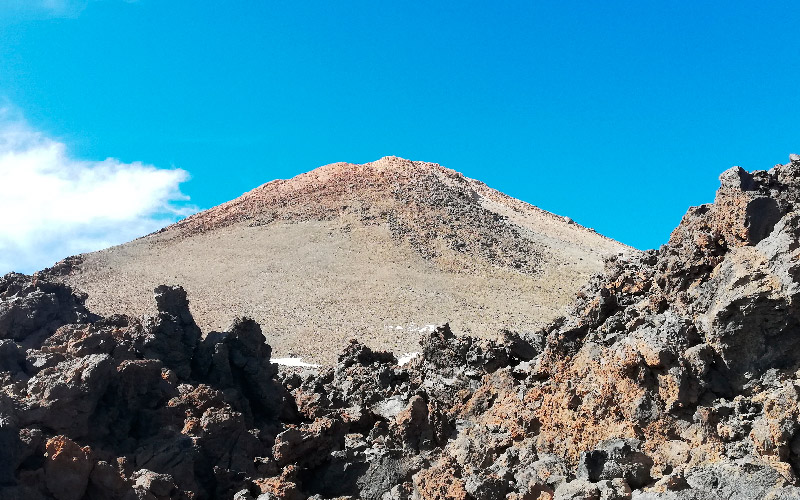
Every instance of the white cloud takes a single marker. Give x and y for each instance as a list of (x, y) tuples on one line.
[(53, 206), (45, 9), (39, 9)]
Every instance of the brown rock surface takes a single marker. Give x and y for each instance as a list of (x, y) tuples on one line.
[(67, 468)]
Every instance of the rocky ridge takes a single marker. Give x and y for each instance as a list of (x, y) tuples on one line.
[(446, 211), (674, 376)]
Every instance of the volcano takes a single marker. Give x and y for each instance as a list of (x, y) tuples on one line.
[(379, 252)]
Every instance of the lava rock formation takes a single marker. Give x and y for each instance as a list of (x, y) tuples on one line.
[(675, 376)]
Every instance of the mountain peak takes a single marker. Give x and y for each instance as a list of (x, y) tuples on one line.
[(381, 247), (396, 163), (386, 163), (388, 189), (388, 168)]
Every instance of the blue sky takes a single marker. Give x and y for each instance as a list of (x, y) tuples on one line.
[(617, 114)]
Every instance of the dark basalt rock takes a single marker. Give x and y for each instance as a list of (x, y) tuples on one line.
[(674, 376), (174, 335), (120, 395), (32, 309), (616, 458)]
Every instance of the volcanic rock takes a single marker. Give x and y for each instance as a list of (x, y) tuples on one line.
[(675, 375), (31, 310), (123, 391)]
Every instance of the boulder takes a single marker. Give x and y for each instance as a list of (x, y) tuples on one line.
[(32, 309), (67, 468), (616, 459)]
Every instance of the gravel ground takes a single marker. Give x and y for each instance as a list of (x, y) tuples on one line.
[(313, 282)]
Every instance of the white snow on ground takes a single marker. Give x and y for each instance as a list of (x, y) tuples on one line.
[(412, 327), (405, 358), (293, 362)]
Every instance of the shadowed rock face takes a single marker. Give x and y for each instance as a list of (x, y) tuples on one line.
[(675, 376), (31, 310)]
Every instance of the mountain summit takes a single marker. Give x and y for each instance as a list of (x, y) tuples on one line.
[(377, 251)]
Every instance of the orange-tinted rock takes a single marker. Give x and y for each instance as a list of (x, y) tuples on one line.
[(440, 482), (67, 468)]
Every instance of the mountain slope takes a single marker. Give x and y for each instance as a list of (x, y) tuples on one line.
[(375, 251)]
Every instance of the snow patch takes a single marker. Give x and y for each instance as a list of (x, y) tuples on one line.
[(405, 358), (424, 329), (293, 362), (412, 327)]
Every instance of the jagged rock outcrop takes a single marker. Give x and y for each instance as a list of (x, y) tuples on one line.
[(691, 349), (676, 376), (31, 310), (121, 408), (675, 368)]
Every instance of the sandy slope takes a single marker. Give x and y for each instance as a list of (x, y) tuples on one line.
[(376, 251)]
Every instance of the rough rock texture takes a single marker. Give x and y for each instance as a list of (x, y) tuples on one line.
[(676, 376), (123, 408), (379, 251), (32, 309)]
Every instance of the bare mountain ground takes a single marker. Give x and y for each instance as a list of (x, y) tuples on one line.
[(377, 252)]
